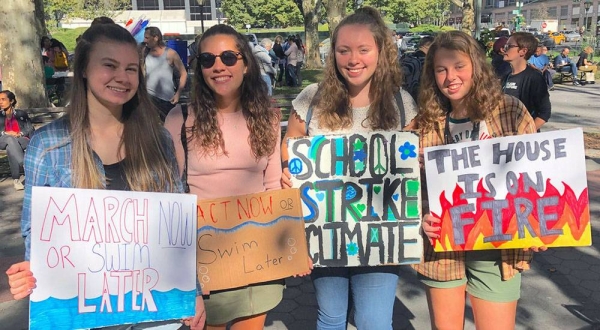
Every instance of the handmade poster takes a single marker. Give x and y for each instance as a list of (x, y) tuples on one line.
[(250, 239), (361, 196), (105, 257), (511, 192)]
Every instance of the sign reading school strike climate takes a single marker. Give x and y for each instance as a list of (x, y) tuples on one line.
[(250, 239), (361, 196), (511, 192), (105, 257)]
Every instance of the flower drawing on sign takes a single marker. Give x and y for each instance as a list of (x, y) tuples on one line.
[(407, 151), (352, 248)]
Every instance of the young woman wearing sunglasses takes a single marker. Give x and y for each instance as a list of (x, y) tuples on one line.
[(232, 149)]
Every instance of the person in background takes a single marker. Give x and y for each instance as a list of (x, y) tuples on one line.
[(267, 71), (292, 61), (15, 132), (585, 64), (562, 63), (48, 69), (160, 62), (541, 62), (61, 55), (45, 45), (299, 60), (461, 97), (233, 148), (501, 67), (412, 66), (524, 82), (107, 140), (358, 95), (278, 49)]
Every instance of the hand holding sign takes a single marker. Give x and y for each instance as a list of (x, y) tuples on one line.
[(20, 280)]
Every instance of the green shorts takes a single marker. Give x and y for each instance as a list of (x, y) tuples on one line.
[(483, 278)]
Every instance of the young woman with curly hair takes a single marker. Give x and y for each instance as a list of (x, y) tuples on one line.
[(362, 78), (461, 99), (233, 149)]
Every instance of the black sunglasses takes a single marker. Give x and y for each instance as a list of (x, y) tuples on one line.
[(509, 46), (228, 57)]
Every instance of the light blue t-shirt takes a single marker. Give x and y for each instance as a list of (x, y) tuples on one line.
[(539, 61)]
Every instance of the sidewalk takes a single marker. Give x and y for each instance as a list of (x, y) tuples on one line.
[(561, 291)]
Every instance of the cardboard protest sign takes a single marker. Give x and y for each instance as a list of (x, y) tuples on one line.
[(250, 239), (511, 192), (361, 197), (105, 257)]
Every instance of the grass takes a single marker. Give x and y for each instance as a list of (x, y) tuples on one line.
[(67, 36), (309, 76)]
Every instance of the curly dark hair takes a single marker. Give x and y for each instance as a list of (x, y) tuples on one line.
[(333, 103), (262, 122), (483, 98)]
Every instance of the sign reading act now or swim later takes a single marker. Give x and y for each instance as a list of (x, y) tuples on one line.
[(511, 192), (361, 196), (250, 239), (105, 257)]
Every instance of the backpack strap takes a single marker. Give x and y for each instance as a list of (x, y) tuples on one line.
[(400, 104), (184, 112)]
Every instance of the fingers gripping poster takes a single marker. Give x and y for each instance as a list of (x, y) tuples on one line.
[(105, 257), (361, 196), (511, 192)]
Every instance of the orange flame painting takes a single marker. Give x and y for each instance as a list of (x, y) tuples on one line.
[(524, 218)]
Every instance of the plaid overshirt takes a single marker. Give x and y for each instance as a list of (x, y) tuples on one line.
[(48, 163), (510, 118)]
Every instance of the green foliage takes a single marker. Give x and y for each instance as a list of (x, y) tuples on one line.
[(57, 11), (67, 36), (417, 11), (262, 13)]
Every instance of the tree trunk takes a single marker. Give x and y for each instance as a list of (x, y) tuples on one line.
[(22, 25), (336, 10), (310, 12), (468, 20)]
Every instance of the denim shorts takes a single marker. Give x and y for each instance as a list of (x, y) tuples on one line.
[(483, 278)]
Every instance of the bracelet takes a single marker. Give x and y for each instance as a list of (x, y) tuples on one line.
[(284, 164)]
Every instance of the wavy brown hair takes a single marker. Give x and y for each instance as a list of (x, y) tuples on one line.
[(333, 100), (146, 164), (262, 122), (483, 98)]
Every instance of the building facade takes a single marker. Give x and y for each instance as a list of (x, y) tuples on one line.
[(569, 14)]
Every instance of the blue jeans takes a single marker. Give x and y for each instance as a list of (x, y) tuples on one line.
[(267, 80), (15, 150), (569, 67), (373, 293)]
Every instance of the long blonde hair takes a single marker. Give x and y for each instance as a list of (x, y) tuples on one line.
[(333, 108), (483, 98), (146, 164)]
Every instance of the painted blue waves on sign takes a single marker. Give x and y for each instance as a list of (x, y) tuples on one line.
[(58, 314), (250, 223)]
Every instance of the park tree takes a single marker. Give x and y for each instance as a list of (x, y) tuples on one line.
[(22, 25), (261, 13), (57, 10), (336, 11), (310, 12)]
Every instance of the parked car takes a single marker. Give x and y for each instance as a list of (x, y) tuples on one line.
[(504, 32), (324, 47), (547, 41), (572, 36), (558, 37)]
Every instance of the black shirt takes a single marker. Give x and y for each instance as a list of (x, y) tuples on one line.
[(115, 176), (530, 88), (582, 56)]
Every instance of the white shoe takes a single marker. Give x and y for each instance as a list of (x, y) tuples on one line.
[(18, 185)]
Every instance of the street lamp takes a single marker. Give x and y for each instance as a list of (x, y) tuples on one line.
[(587, 4), (517, 12)]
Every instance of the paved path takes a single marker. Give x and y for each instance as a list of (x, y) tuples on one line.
[(561, 291)]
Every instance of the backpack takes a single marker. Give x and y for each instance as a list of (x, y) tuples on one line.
[(60, 60), (399, 103), (412, 67)]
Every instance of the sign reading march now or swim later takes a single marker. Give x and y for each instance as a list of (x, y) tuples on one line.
[(361, 195), (250, 239), (511, 192), (105, 257)]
